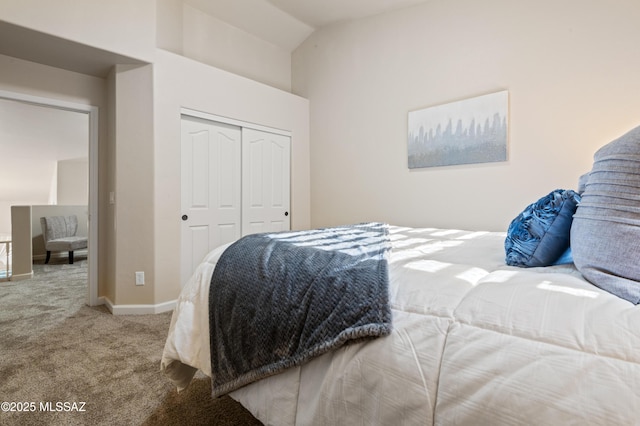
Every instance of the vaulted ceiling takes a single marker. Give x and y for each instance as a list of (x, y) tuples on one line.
[(287, 23), (33, 149)]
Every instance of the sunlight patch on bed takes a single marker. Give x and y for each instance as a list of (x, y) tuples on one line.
[(472, 235), (446, 232), (502, 276), (398, 230), (419, 230), (343, 241), (546, 285), (398, 254), (472, 275), (435, 246), (396, 237), (427, 265), (409, 242)]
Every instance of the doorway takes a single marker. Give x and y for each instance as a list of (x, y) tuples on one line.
[(91, 113)]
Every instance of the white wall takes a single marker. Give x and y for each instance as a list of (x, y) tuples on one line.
[(190, 32), (571, 68), (181, 82)]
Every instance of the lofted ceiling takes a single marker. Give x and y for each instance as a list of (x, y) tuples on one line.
[(287, 23)]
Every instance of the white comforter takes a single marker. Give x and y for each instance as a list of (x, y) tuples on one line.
[(474, 342)]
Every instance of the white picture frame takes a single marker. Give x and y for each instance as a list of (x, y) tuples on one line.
[(473, 130)]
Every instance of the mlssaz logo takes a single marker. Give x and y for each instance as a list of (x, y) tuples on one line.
[(62, 406)]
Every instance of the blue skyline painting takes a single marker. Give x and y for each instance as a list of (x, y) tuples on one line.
[(464, 132)]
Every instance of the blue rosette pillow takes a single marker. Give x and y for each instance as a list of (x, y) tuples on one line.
[(541, 234)]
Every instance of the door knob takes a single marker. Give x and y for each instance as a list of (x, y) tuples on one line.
[(286, 213), (185, 217)]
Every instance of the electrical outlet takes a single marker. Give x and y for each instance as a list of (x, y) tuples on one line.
[(139, 278)]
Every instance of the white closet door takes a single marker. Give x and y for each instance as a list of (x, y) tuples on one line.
[(265, 182), (211, 202)]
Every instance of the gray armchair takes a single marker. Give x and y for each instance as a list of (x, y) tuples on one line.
[(59, 233)]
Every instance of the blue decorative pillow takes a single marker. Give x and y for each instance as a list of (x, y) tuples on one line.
[(541, 234)]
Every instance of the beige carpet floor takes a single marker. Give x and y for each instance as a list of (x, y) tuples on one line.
[(64, 363)]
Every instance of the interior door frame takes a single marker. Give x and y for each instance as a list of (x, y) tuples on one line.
[(92, 111)]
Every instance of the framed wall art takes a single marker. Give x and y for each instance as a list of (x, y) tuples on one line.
[(469, 131)]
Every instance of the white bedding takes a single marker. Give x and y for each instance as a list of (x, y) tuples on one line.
[(474, 342)]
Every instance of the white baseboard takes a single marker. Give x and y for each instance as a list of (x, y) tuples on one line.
[(19, 277), (137, 309)]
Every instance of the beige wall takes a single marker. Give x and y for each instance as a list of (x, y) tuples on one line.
[(145, 171), (30, 78), (216, 43), (108, 228), (139, 120), (73, 181), (181, 82), (21, 244), (34, 79), (133, 184), (187, 31), (571, 68), (121, 26)]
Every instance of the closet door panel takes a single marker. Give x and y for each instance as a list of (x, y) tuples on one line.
[(210, 186), (265, 181)]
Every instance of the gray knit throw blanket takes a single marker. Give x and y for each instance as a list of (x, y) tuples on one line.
[(278, 300)]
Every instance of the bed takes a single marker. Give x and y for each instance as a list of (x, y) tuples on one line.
[(535, 325), (473, 341)]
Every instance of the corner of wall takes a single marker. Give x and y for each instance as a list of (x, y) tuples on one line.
[(22, 266)]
